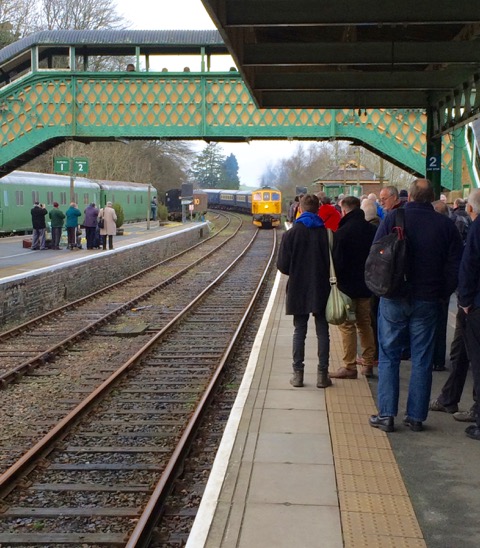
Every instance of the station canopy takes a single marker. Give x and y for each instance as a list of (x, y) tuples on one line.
[(356, 54)]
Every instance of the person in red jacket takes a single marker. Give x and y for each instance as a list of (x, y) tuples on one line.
[(327, 212)]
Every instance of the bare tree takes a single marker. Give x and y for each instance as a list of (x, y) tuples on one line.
[(16, 19), (79, 14)]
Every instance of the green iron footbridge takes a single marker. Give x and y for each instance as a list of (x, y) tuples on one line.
[(43, 103)]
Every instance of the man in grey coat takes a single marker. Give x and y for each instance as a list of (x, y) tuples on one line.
[(304, 258)]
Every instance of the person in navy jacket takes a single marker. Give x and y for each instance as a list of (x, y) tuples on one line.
[(469, 300), (434, 250)]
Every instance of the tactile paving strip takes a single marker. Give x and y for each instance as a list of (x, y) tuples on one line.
[(376, 511)]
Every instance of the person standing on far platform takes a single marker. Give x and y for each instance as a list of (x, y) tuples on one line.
[(153, 208), (38, 212), (72, 214), (469, 301), (109, 228), (57, 218), (434, 250), (304, 258), (90, 224)]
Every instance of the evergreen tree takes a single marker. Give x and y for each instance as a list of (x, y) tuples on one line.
[(230, 167), (208, 168)]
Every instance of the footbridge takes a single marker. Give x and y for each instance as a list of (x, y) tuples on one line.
[(59, 86)]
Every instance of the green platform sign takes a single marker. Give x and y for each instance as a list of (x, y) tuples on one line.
[(80, 166), (61, 165)]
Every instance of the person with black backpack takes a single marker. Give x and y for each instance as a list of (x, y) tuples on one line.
[(433, 253)]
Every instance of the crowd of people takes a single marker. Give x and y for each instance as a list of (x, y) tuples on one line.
[(97, 234), (443, 257)]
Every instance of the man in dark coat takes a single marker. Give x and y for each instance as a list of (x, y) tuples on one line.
[(434, 250), (304, 258), (351, 245), (39, 226), (469, 301)]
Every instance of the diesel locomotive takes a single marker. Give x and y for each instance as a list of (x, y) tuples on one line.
[(264, 204)]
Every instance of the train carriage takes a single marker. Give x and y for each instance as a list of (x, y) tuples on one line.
[(133, 197), (20, 189), (243, 200)]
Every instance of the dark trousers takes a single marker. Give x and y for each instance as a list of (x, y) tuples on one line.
[(110, 242), (472, 339), (56, 236), (72, 236), (300, 323), (452, 389), (90, 236), (440, 348)]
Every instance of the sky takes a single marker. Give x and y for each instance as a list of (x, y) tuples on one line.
[(254, 157)]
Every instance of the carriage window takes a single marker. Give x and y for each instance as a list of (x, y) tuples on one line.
[(49, 198), (275, 197), (75, 197), (35, 197), (86, 201), (63, 198), (18, 197), (128, 198), (135, 199), (257, 196)]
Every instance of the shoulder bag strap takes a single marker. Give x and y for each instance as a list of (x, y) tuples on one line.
[(333, 277)]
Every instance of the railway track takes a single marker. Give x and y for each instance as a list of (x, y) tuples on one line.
[(113, 470), (40, 340)]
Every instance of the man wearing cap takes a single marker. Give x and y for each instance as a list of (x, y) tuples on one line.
[(90, 224), (39, 226), (56, 218)]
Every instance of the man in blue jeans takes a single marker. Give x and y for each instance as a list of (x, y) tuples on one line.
[(304, 258), (434, 250), (469, 300)]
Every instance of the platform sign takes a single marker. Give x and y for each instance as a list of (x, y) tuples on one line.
[(80, 166), (434, 162), (61, 165)]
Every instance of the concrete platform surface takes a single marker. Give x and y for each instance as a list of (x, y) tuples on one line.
[(301, 467)]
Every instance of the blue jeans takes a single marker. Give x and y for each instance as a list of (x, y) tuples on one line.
[(300, 323), (401, 321)]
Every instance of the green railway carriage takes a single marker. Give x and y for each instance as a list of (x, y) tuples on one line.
[(20, 189), (133, 197)]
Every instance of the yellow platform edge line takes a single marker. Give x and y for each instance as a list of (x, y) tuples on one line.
[(375, 508)]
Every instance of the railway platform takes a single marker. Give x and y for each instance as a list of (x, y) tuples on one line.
[(15, 259), (301, 467), (33, 282)]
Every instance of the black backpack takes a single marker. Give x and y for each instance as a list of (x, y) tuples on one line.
[(386, 264), (463, 224)]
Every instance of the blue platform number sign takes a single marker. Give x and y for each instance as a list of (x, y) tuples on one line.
[(434, 163), (61, 165), (80, 166)]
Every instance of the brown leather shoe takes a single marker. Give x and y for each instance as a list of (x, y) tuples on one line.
[(343, 373)]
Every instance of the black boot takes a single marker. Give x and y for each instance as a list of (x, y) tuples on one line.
[(323, 380), (297, 379)]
